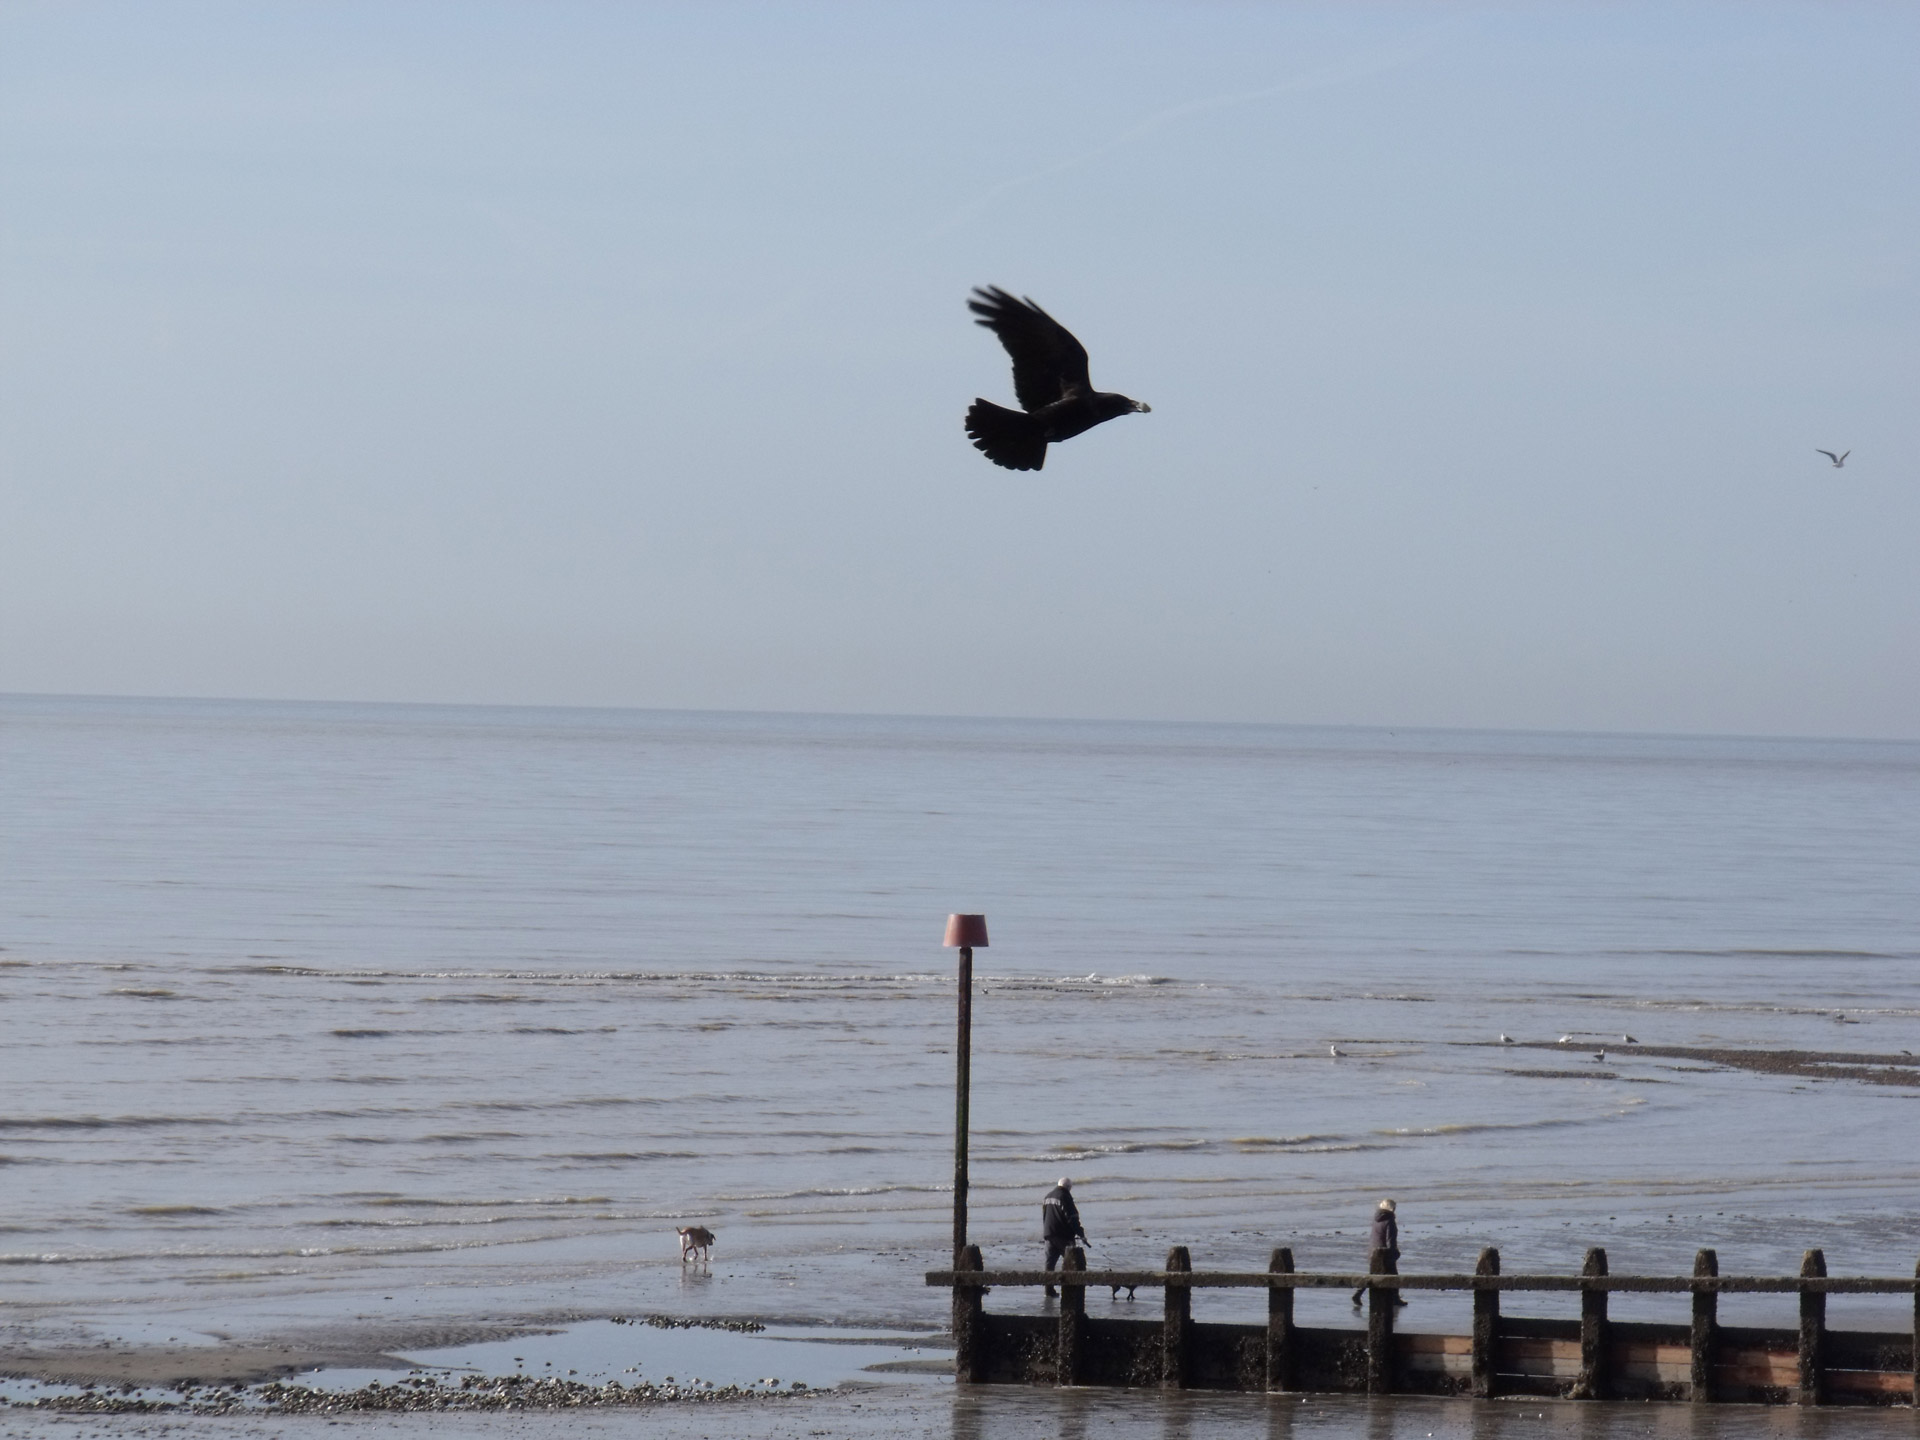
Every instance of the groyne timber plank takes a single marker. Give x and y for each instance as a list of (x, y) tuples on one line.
[(1422, 1344), (1770, 1369), (1546, 1386), (1226, 1357), (1330, 1360), (1660, 1364), (1545, 1357), (1121, 1353), (1018, 1349), (1869, 1350), (1434, 1364), (1871, 1382), (1528, 1327)]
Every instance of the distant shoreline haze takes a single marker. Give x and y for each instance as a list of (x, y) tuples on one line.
[(961, 717)]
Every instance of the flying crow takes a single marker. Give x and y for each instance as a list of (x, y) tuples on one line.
[(1049, 377)]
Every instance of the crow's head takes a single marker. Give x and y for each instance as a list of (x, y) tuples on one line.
[(1111, 405)]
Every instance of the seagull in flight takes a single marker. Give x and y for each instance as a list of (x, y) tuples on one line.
[(1838, 460), (1057, 399)]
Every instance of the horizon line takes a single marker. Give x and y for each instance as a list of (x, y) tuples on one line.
[(1374, 726)]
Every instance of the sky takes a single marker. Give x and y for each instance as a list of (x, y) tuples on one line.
[(616, 354)]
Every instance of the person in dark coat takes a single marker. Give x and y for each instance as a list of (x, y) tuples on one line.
[(1059, 1223), (1384, 1234)]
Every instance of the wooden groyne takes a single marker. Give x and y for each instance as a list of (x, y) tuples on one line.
[(1589, 1357)]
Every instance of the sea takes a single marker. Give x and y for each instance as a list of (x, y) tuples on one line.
[(422, 1015)]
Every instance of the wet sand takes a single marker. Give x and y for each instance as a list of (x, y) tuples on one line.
[(1865, 1067), (412, 1395), (476, 1369), (1016, 1413), (239, 1362)]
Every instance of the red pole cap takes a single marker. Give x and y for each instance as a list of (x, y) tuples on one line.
[(967, 930)]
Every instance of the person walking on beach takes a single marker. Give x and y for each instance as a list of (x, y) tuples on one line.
[(1384, 1234), (1059, 1223)]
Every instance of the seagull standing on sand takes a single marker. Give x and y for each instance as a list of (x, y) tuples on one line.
[(1839, 461), (1506, 1039), (1601, 1057), (1336, 1051)]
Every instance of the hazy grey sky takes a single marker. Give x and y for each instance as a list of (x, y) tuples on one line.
[(617, 354)]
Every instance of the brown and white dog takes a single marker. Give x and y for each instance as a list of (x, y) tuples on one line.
[(694, 1240)]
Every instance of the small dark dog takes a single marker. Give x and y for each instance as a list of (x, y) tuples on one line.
[(1117, 1289), (695, 1241)]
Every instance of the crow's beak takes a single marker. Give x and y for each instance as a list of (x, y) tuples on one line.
[(1140, 407)]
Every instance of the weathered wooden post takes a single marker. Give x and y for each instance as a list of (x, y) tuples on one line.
[(1916, 1337), (1813, 1331), (969, 1359), (1592, 1384), (964, 931), (1380, 1307), (1706, 1320), (1280, 1323), (1073, 1316), (1486, 1326), (1178, 1321)]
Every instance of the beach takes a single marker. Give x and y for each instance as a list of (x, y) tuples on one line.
[(344, 1035)]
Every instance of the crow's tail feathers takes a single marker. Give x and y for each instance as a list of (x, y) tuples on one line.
[(1007, 437)]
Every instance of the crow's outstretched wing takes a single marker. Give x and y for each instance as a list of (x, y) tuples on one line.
[(1048, 363)]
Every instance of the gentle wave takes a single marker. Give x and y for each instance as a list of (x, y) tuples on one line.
[(304, 1252), (830, 1191), (174, 1210), (1479, 1127), (1253, 1142), (115, 1122), (441, 1202), (803, 979)]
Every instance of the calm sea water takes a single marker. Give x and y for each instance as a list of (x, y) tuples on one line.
[(393, 1012)]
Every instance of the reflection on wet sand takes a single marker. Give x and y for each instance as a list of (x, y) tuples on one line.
[(1144, 1415)]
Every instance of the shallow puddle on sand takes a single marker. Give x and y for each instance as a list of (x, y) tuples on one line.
[(598, 1351)]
